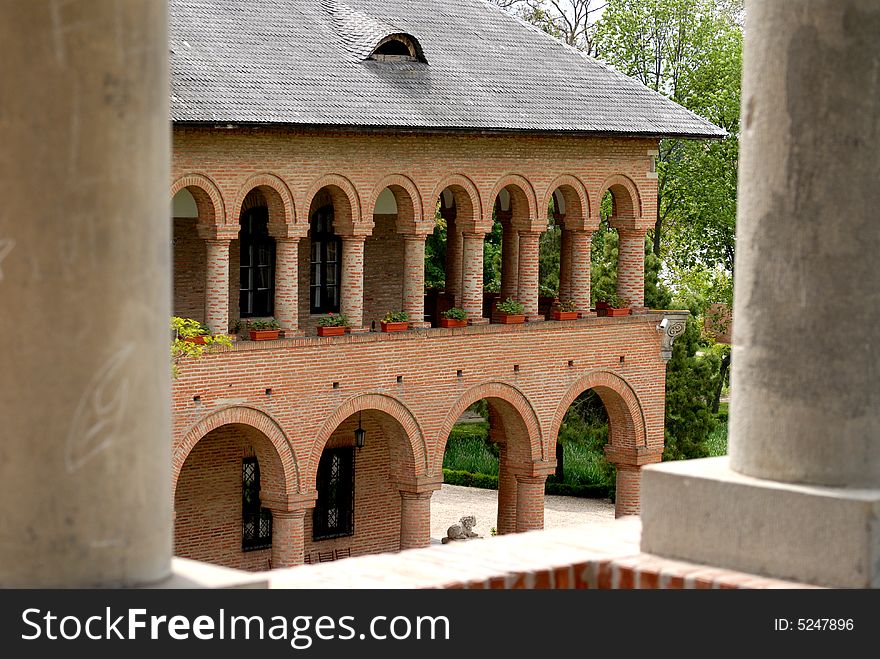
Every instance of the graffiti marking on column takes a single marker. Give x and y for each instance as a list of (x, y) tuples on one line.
[(6, 246)]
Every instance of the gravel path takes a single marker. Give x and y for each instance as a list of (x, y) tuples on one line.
[(453, 502)]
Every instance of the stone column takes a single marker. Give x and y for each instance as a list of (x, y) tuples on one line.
[(581, 247), (565, 263), (509, 258), (288, 538), (527, 280), (529, 502), (287, 284), (472, 281), (217, 285), (85, 250), (799, 496), (507, 494), (453, 261), (415, 519), (352, 303), (414, 278), (631, 267)]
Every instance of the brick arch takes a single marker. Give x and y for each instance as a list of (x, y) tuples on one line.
[(403, 189), (627, 200), (282, 210), (374, 402), (341, 189), (463, 189), (523, 194), (509, 394), (207, 195), (577, 200), (246, 416), (625, 414)]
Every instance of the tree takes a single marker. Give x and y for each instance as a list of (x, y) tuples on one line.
[(571, 21)]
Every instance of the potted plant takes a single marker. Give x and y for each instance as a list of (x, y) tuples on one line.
[(264, 330), (191, 331), (565, 310), (609, 304), (190, 338), (333, 324), (510, 312), (453, 317), (395, 321)]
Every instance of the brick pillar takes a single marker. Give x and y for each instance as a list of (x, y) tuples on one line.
[(509, 261), (527, 280), (631, 267), (352, 303), (627, 491), (217, 286), (529, 502), (565, 264), (287, 283), (507, 494), (288, 538), (453, 261), (472, 281), (415, 519), (414, 278), (581, 245)]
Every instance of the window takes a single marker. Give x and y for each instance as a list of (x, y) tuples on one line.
[(256, 296), (256, 525), (326, 261), (398, 48), (334, 510)]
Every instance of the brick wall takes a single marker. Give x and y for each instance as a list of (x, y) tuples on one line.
[(383, 270), (190, 262)]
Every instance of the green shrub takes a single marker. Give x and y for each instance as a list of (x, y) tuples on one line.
[(467, 479), (510, 306), (396, 317), (455, 314)]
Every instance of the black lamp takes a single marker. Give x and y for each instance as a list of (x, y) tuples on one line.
[(360, 435)]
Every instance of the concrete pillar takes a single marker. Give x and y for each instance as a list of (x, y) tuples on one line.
[(527, 281), (352, 302), (799, 496), (509, 259), (565, 262), (627, 490), (631, 267), (85, 252), (287, 283), (288, 538), (414, 278), (217, 285), (453, 261), (581, 247), (472, 280), (415, 519), (507, 494), (529, 503)]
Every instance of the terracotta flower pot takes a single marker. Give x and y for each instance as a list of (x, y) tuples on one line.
[(511, 318), (611, 311), (331, 331), (263, 335), (565, 315), (200, 340), (452, 322), (395, 326)]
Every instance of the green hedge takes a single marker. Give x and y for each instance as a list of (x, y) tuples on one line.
[(490, 482)]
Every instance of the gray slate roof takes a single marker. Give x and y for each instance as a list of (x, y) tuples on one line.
[(303, 62)]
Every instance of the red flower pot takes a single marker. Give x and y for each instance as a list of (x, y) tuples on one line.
[(200, 340), (331, 331), (611, 311), (511, 319), (565, 315), (263, 335), (394, 327), (452, 322)]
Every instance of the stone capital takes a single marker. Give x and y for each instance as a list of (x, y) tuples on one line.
[(636, 224), (671, 326), (634, 456)]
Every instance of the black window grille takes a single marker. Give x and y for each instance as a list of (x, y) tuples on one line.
[(325, 263), (256, 522), (257, 266), (334, 510)]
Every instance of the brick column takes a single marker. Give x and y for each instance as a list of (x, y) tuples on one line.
[(507, 494), (565, 264), (472, 281), (217, 286), (529, 502), (415, 519), (352, 303), (527, 279), (627, 490), (509, 261), (631, 267), (453, 261), (414, 278), (581, 245), (288, 538), (287, 283)]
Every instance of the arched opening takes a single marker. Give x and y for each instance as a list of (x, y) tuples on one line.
[(256, 266), (604, 252), (189, 254), (359, 506), (220, 516), (398, 48), (564, 250)]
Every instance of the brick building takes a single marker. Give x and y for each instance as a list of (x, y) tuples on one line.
[(314, 142)]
